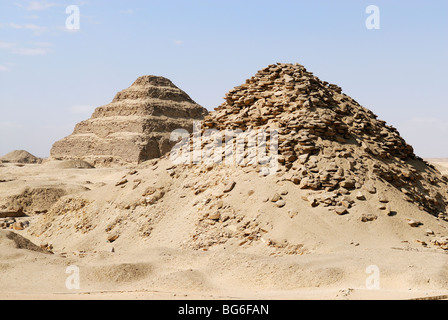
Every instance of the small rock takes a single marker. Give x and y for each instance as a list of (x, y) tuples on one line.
[(18, 226), (346, 204), (341, 210), (122, 182), (293, 214), (414, 224), (360, 196), (230, 186), (368, 217), (112, 238), (370, 188), (388, 210), (313, 201), (280, 203), (276, 198), (296, 180), (214, 216), (348, 184)]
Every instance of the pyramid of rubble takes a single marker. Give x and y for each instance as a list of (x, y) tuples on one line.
[(327, 141), (20, 156), (135, 127)]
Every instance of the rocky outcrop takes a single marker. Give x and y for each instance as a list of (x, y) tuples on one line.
[(135, 127)]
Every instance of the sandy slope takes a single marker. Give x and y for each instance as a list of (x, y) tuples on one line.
[(168, 249), (440, 164)]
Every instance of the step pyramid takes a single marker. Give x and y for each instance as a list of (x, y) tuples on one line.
[(135, 127)]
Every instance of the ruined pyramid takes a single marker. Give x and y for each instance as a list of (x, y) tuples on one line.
[(20, 156), (135, 127), (327, 142)]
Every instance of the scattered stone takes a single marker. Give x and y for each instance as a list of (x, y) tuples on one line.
[(220, 204), (18, 226), (280, 203), (122, 182), (276, 197), (369, 217), (230, 186), (347, 204), (293, 214), (360, 196), (423, 243), (312, 201), (341, 210), (214, 216), (370, 188), (112, 238), (414, 224)]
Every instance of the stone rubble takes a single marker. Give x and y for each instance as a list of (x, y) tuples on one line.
[(327, 141)]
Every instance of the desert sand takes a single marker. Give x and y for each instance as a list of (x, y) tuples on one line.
[(333, 264), (350, 212)]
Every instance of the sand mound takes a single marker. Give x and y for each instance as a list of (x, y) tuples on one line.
[(20, 156), (37, 200), (13, 240), (69, 164), (135, 127)]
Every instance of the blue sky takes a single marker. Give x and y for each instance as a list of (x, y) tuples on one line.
[(51, 78)]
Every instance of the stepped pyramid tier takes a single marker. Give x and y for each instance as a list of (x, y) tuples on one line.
[(327, 142), (135, 127)]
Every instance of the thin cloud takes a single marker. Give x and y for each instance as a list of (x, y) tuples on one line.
[(38, 5), (40, 48), (7, 45), (42, 44), (6, 66), (33, 17), (35, 28), (30, 51)]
